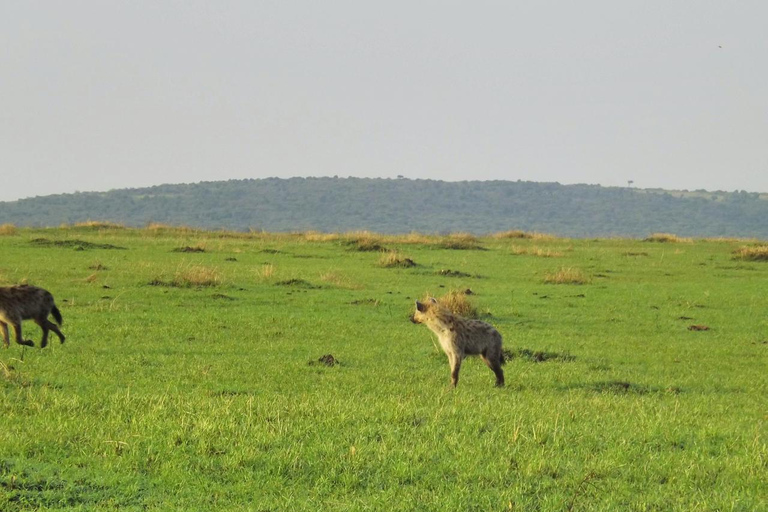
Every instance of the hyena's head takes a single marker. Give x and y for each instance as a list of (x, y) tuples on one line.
[(430, 312)]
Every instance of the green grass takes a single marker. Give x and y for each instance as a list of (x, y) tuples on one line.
[(187, 397)]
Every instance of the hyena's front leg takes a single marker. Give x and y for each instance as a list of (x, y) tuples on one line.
[(19, 339), (455, 362)]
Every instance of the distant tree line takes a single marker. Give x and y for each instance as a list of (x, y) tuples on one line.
[(403, 205)]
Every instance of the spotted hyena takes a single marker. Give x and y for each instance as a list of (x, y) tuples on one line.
[(26, 302), (461, 337)]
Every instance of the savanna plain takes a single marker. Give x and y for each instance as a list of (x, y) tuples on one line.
[(208, 370)]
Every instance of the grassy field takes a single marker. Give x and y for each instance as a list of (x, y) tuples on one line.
[(192, 378)]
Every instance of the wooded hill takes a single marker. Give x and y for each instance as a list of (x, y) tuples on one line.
[(403, 205)]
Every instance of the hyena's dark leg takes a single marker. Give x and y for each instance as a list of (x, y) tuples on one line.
[(43, 325), (6, 338), (47, 325), (19, 339), (455, 362), (55, 328), (494, 363)]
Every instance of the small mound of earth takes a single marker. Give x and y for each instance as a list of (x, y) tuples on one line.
[(327, 360), (188, 249)]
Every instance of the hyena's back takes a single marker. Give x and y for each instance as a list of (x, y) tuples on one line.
[(25, 302)]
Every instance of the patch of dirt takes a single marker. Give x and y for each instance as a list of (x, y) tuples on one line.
[(685, 318), (461, 245), (365, 302), (78, 245), (622, 387), (297, 283), (188, 249), (230, 259), (222, 296), (98, 266), (619, 387), (326, 360), (365, 246), (446, 272), (698, 328), (537, 356)]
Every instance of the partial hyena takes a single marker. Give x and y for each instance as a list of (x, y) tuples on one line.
[(26, 302), (460, 337)]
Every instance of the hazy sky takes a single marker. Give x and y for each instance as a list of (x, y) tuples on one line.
[(97, 95)]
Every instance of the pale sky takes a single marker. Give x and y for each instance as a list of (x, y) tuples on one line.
[(100, 95)]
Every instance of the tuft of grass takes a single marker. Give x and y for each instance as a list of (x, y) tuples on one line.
[(755, 253), (394, 259), (512, 233), (567, 275), (363, 242), (8, 229), (266, 271), (97, 224), (297, 283), (667, 238), (458, 303), (316, 236), (460, 242), (339, 279), (536, 251), (191, 276), (187, 248), (415, 238), (520, 234)]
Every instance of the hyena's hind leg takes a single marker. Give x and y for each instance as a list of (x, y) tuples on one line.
[(493, 360), (6, 338), (46, 326)]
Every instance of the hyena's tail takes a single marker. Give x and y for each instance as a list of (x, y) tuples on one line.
[(57, 315)]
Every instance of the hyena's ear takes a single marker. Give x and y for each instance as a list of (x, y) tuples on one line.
[(433, 300), (420, 307)]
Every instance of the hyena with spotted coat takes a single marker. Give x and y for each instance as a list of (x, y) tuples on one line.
[(25, 302), (460, 337)]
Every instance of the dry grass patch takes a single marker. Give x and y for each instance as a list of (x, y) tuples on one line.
[(667, 238), (191, 276), (8, 229), (536, 251), (266, 271), (567, 275), (461, 242), (457, 302), (190, 248), (520, 234), (315, 236), (415, 238), (339, 280), (395, 259), (98, 224), (755, 253), (364, 242)]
